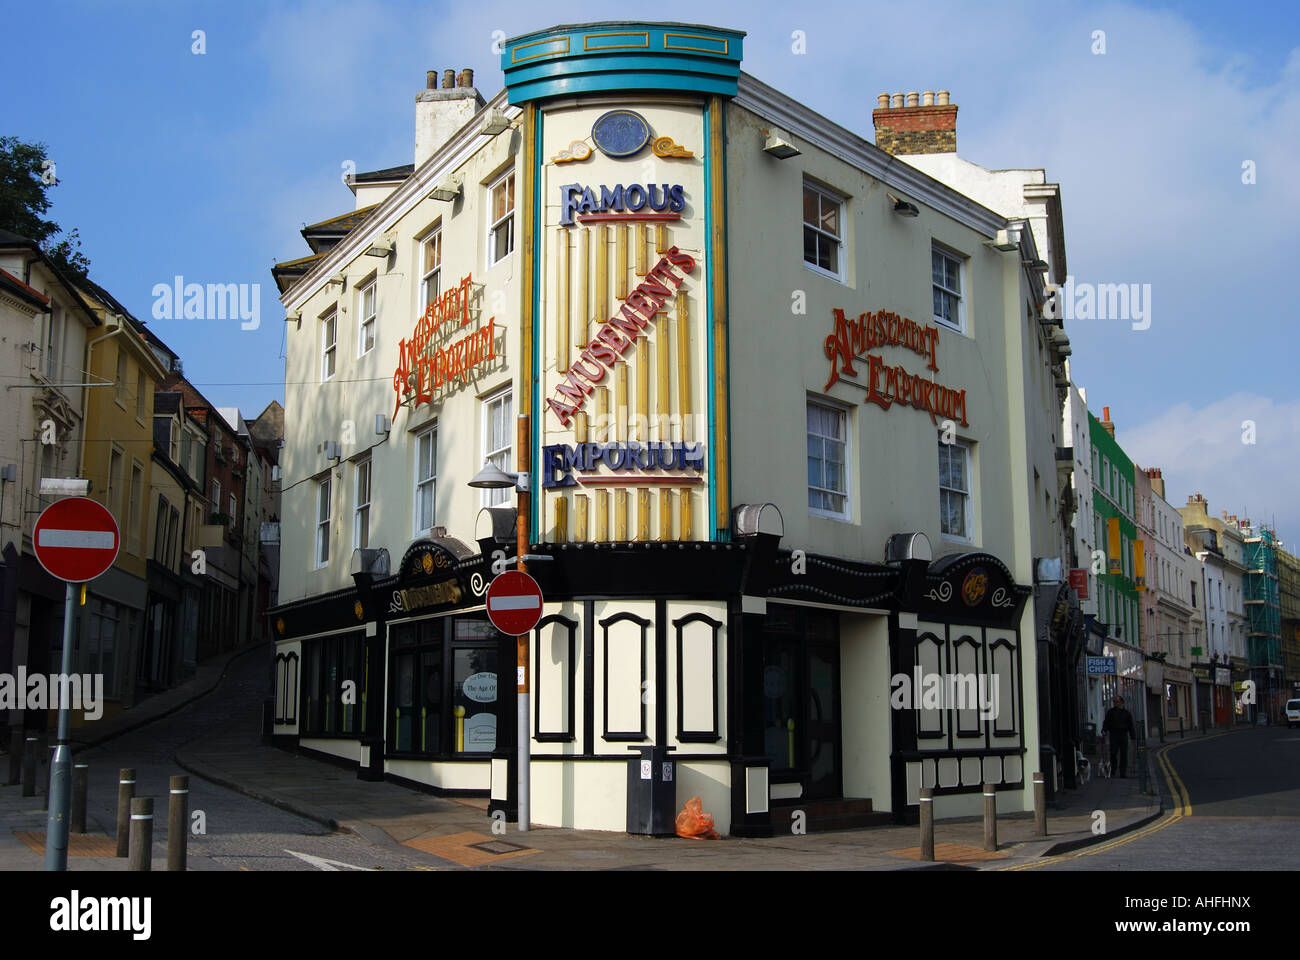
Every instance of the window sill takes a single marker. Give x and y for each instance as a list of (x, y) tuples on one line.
[(823, 273), (838, 517)]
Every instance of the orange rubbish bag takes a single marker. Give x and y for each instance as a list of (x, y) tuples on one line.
[(694, 823)]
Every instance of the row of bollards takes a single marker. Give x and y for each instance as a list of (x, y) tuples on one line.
[(990, 816), (134, 814), (135, 822)]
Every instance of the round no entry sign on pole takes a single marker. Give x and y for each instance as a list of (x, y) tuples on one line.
[(514, 603), (76, 539)]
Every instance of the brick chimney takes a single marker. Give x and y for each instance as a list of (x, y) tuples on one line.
[(915, 123), (439, 113), (1105, 421), (1157, 481)]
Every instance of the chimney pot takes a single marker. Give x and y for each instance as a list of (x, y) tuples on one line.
[(882, 101), (1105, 414), (448, 79), (913, 99), (430, 79), (898, 100), (927, 98), (468, 73), (943, 98)]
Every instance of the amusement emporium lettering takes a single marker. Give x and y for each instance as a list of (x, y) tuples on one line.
[(560, 461), (887, 385), (618, 333), (436, 368)]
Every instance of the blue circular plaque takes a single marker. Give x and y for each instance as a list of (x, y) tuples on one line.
[(620, 133)]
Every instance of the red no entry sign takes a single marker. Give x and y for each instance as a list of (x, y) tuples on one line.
[(76, 539), (514, 603)]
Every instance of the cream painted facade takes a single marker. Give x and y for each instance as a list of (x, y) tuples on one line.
[(342, 407), (676, 612)]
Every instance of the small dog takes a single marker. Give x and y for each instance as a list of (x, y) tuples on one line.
[(1103, 767)]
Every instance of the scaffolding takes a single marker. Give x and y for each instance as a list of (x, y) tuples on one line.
[(1263, 605)]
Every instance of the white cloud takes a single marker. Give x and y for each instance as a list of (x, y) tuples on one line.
[(1201, 450)]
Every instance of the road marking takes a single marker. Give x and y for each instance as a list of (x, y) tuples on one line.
[(1183, 808), (321, 863)]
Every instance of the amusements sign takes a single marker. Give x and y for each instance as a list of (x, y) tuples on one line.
[(888, 385)]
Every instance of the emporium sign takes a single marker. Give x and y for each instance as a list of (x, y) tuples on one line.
[(888, 385), (424, 367)]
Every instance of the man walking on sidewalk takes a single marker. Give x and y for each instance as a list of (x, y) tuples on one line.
[(1119, 724)]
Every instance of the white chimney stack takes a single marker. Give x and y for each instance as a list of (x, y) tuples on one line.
[(439, 113)]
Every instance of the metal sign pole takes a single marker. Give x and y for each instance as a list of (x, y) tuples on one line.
[(522, 735), (56, 827)]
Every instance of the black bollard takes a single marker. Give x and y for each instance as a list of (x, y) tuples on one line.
[(1040, 806), (178, 815), (29, 767), (927, 823), (80, 788), (990, 817), (141, 834), (125, 792)]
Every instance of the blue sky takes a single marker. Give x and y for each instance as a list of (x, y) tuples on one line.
[(206, 166)]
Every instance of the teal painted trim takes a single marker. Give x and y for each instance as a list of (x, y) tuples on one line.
[(535, 458), (708, 329), (619, 56), (725, 532)]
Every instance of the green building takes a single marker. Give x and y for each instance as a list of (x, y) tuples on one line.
[(1112, 497)]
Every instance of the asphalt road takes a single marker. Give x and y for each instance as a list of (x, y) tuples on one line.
[(242, 833), (1232, 802)]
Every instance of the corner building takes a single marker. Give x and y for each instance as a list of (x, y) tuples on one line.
[(772, 382)]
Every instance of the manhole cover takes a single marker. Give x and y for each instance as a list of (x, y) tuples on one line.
[(497, 846)]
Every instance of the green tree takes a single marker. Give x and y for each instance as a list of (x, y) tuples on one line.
[(25, 175)]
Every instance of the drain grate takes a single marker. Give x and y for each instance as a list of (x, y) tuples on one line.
[(497, 847)]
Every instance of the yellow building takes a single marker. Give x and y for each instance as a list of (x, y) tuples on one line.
[(117, 460)]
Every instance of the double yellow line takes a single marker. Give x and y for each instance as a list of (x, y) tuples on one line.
[(1182, 808)]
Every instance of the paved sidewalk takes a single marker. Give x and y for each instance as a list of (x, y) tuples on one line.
[(458, 832)]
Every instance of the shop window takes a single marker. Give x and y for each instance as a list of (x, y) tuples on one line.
[(431, 269), (955, 490), (827, 446), (426, 473), (323, 522), (329, 345), (474, 688), (101, 649), (946, 283), (497, 426), (823, 237), (361, 497), (501, 229), (366, 329), (332, 686)]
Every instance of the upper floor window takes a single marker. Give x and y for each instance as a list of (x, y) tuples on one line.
[(497, 424), (431, 268), (827, 458), (945, 276), (54, 336), (954, 490), (501, 227), (121, 375), (323, 521), (426, 473), (141, 395), (366, 329), (329, 345), (361, 519), (822, 229)]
